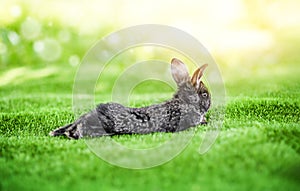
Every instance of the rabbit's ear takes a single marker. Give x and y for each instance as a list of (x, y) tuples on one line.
[(179, 71), (196, 79)]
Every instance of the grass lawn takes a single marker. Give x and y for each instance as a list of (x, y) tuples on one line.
[(258, 147)]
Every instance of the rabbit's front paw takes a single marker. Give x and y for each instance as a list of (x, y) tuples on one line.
[(203, 121)]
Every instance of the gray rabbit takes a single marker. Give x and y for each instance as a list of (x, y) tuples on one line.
[(186, 109)]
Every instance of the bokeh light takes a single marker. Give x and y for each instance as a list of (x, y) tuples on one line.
[(236, 32), (13, 37), (15, 11), (30, 28), (74, 60), (64, 36), (48, 49)]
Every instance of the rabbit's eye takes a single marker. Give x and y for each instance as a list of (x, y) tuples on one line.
[(204, 94)]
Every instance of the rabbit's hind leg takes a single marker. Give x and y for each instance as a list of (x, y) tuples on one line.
[(69, 130)]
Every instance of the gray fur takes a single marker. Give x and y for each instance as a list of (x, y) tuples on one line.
[(186, 109)]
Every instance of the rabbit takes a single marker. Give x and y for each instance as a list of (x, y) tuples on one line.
[(186, 109)]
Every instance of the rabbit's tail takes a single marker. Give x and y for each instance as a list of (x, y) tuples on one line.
[(69, 130)]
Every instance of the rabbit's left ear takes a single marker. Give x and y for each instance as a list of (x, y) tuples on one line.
[(196, 79), (179, 71)]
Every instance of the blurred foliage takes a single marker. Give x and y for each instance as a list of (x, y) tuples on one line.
[(251, 39), (37, 42), (239, 32)]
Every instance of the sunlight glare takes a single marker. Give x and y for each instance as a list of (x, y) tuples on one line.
[(15, 11), (237, 40)]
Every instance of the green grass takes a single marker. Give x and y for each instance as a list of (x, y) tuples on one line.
[(258, 147)]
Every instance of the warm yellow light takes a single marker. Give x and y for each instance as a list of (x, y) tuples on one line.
[(221, 25)]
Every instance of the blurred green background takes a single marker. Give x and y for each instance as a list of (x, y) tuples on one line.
[(242, 35), (255, 43)]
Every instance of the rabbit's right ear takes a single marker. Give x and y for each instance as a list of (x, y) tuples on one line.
[(179, 71), (196, 78)]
